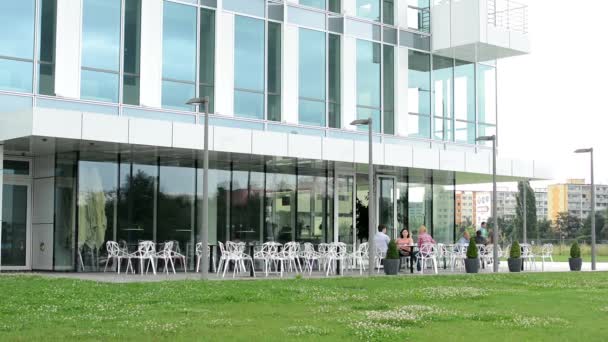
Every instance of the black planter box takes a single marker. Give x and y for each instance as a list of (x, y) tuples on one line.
[(575, 264), (391, 266), (471, 265), (514, 264)]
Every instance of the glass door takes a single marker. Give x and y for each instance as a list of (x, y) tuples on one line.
[(16, 233), (386, 205), (345, 208)]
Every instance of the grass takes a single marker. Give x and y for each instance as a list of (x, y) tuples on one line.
[(504, 307)]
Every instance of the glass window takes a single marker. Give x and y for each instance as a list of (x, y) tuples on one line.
[(179, 42), (132, 41), (16, 167), (274, 71), (314, 206), (176, 94), (17, 29), (313, 3), (99, 86), (97, 185), (334, 74), (419, 89), (176, 209), (249, 67), (334, 6), (419, 126), (419, 15), (388, 12), (312, 77), (306, 17), (100, 50), (464, 132), (207, 57), (15, 75), (65, 202), (442, 86), (368, 80), (101, 34), (464, 90), (443, 209), (486, 93), (363, 29), (14, 225), (388, 69), (486, 130), (365, 113), (247, 201), (368, 9), (414, 40), (280, 202), (46, 47), (252, 7), (419, 206)]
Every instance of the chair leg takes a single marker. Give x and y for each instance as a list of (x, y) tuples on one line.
[(198, 263)]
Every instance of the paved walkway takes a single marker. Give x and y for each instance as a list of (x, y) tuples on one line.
[(112, 277)]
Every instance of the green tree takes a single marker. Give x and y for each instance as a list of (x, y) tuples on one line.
[(543, 229), (567, 225), (531, 222), (600, 223)]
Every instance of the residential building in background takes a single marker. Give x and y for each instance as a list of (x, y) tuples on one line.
[(574, 197), (98, 143)]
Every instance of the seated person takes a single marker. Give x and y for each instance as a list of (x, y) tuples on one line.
[(479, 239), (424, 237), (405, 242), (465, 239), (381, 240)]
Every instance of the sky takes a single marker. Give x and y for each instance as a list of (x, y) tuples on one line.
[(554, 100)]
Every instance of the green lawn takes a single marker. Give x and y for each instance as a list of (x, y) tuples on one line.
[(505, 307)]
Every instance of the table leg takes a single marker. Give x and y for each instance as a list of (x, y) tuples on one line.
[(412, 261)]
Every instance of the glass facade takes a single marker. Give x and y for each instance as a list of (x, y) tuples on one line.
[(419, 94), (369, 60), (249, 67), (17, 48), (312, 77), (47, 22), (132, 52), (136, 196)]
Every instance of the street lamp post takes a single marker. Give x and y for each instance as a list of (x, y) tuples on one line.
[(371, 213), (525, 210), (492, 138), (204, 227), (593, 250)]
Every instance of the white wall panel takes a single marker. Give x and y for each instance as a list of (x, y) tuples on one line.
[(150, 132), (478, 162), (57, 123), (269, 143), (303, 146), (151, 64), (349, 81), (401, 91), (290, 77), (349, 7), (101, 127), (224, 64), (338, 150), (43, 200), (42, 246), (398, 155), (231, 140), (451, 160), (67, 48), (440, 15), (191, 136), (519, 41), (402, 13), (426, 158), (465, 22), (362, 152)]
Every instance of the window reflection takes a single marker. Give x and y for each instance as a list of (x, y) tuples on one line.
[(17, 37), (368, 82), (312, 62), (280, 201), (486, 93), (314, 217), (368, 9), (249, 67)]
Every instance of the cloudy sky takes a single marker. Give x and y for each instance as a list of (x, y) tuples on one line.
[(555, 100)]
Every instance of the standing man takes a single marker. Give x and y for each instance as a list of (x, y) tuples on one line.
[(484, 229)]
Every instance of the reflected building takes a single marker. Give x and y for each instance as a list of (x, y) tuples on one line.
[(98, 144)]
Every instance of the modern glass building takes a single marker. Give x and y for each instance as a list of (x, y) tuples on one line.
[(97, 142)]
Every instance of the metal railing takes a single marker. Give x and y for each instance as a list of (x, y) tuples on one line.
[(508, 15)]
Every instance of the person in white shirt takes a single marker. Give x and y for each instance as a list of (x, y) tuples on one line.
[(381, 240)]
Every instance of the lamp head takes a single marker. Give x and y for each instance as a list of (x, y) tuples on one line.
[(198, 101), (584, 150), (362, 122), (486, 138)]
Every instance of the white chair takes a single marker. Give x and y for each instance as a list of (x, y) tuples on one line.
[(177, 255), (199, 254), (309, 256), (117, 254), (337, 253), (358, 256), (428, 252), (145, 253), (234, 252), (265, 253), (546, 252), (288, 258), (165, 255), (458, 255), (323, 255), (528, 256), (378, 259)]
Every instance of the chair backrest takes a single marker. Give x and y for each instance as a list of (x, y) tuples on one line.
[(222, 248), (168, 246), (364, 248), (547, 249), (112, 248), (427, 250), (146, 248)]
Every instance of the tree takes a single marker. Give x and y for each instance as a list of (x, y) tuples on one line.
[(362, 221), (543, 229), (600, 223), (531, 222), (567, 225), (505, 228)]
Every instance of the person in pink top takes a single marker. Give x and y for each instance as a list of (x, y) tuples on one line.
[(424, 237)]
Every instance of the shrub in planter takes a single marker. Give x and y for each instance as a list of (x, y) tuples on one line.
[(514, 260), (471, 263), (392, 260), (575, 261)]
